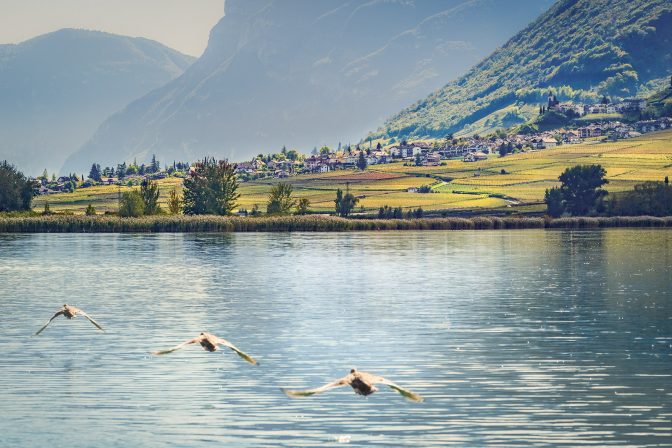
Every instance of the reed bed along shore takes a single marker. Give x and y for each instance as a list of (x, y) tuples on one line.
[(194, 224)]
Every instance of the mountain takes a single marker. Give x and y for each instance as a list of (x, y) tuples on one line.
[(57, 89), (303, 73), (579, 49)]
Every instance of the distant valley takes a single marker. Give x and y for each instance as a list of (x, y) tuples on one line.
[(56, 89), (305, 73)]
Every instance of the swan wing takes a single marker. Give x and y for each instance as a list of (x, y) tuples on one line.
[(306, 393), (403, 391), (60, 313), (239, 352), (177, 347), (97, 325)]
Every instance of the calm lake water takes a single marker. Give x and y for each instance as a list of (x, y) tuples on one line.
[(514, 338)]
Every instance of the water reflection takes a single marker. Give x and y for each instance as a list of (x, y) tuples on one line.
[(514, 338)]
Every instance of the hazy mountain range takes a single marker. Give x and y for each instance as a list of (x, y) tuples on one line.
[(303, 73), (56, 89), (580, 49)]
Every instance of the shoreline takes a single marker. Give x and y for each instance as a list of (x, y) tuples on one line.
[(230, 224)]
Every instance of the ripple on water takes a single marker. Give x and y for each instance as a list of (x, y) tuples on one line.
[(514, 338)]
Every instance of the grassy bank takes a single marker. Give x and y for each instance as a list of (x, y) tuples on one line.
[(189, 224)]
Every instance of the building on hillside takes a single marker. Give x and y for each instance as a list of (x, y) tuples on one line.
[(548, 143), (475, 156), (632, 104), (553, 102), (433, 159)]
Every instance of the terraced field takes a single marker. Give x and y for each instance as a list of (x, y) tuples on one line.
[(456, 186)]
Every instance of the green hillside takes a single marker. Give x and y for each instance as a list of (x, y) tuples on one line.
[(660, 104), (580, 49)]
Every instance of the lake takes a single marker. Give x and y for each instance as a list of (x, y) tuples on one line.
[(514, 338)]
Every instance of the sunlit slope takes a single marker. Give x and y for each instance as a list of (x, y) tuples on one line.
[(457, 185), (581, 49)]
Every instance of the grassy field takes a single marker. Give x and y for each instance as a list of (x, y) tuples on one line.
[(457, 186)]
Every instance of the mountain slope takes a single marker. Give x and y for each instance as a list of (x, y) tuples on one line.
[(56, 89), (578, 48), (305, 72)]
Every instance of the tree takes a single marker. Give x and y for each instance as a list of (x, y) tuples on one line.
[(581, 190), (47, 209), (211, 188), (90, 211), (418, 160), (649, 198), (155, 166), (16, 190), (325, 151), (303, 206), (555, 205), (280, 200), (131, 205), (175, 202), (95, 173), (293, 155), (361, 161), (149, 190), (502, 150), (345, 203), (121, 171)]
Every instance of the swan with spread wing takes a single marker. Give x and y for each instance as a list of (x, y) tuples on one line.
[(69, 312), (210, 343), (363, 383)]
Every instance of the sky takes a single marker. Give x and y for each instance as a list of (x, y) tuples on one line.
[(180, 24)]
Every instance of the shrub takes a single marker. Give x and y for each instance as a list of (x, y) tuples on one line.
[(280, 200), (303, 207), (212, 188), (649, 198), (131, 205)]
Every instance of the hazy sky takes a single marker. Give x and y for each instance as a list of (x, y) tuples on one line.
[(181, 24)]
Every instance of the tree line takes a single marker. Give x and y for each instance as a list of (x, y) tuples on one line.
[(581, 194)]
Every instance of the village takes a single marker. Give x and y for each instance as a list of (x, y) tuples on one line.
[(413, 153)]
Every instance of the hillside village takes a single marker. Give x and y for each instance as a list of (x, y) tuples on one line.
[(414, 153)]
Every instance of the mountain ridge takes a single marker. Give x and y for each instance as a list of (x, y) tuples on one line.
[(58, 87), (302, 74)]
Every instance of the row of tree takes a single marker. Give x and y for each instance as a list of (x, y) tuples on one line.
[(580, 194), (122, 170)]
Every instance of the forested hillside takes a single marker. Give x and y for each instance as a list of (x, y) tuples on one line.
[(580, 49)]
